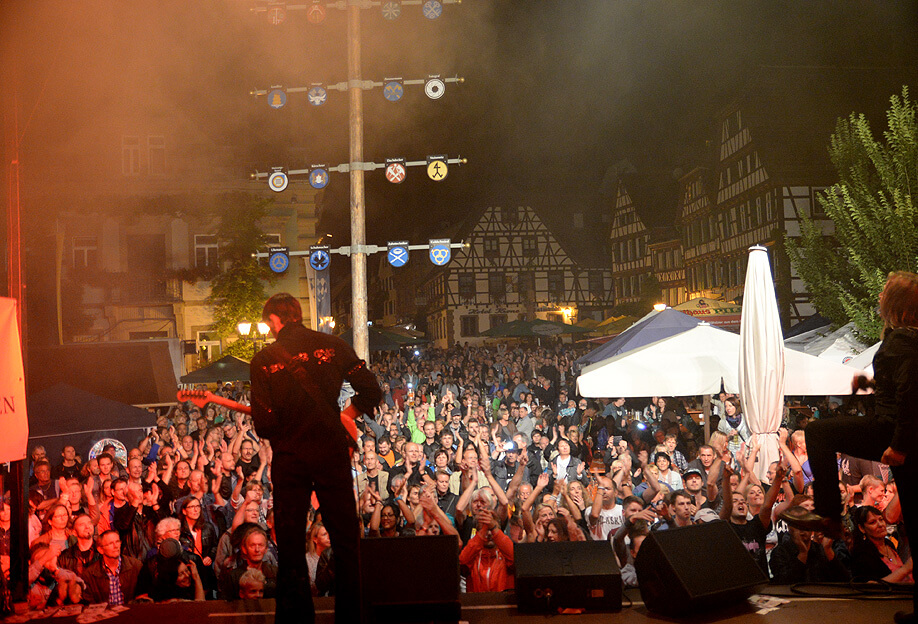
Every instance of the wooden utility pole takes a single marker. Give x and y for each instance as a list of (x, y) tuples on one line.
[(358, 195)]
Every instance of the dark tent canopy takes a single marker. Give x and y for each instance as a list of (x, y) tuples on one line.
[(379, 340), (63, 415), (136, 373), (536, 328), (227, 368)]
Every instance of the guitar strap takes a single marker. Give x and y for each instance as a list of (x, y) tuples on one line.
[(299, 373), (312, 389)]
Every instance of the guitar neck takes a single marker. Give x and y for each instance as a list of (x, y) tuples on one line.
[(233, 405)]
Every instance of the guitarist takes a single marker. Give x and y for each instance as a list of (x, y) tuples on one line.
[(295, 386)]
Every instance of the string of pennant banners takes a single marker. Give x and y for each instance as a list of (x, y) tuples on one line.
[(396, 171), (316, 11), (393, 89)]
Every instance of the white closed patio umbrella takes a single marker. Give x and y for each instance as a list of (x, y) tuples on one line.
[(761, 359)]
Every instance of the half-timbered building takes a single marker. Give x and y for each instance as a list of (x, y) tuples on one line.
[(644, 207), (764, 171), (667, 266), (515, 267)]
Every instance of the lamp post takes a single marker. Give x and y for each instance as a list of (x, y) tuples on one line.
[(245, 331)]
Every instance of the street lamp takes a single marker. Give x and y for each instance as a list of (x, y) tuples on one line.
[(245, 330), (326, 322)]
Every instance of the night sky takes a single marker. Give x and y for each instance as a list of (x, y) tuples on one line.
[(556, 91)]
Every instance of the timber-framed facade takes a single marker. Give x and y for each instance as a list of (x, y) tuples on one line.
[(514, 267)]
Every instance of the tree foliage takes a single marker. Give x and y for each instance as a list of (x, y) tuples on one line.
[(238, 290), (873, 209)]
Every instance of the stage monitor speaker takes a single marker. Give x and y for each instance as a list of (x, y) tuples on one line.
[(695, 568), (410, 579), (567, 575)]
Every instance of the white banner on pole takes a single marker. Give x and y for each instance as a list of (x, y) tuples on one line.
[(14, 422)]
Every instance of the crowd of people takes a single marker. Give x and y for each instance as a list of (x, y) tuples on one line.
[(492, 445)]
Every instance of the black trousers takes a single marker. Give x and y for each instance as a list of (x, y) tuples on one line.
[(325, 470), (866, 438)]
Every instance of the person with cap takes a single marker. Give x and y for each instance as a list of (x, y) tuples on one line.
[(694, 482), (504, 470)]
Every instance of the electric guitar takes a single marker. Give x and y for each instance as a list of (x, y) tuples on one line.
[(202, 397)]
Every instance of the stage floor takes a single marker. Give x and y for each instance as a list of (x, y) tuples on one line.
[(491, 608)]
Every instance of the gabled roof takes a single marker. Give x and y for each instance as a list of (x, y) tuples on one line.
[(792, 112), (655, 196), (585, 246)]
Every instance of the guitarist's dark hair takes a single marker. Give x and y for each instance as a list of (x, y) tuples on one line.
[(285, 306)]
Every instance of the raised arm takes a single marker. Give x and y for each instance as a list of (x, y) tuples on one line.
[(514, 485), (431, 509), (770, 497), (749, 465), (726, 509), (653, 484), (791, 459)]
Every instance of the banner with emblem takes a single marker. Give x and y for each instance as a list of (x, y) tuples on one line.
[(393, 89), (440, 251), (397, 253), (13, 419), (317, 279), (437, 169)]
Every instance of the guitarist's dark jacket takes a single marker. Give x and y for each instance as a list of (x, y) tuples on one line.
[(294, 417)]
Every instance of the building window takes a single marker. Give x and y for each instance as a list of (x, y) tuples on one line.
[(272, 240), (526, 285), (595, 283), (496, 320), (496, 287), (205, 250), (85, 252), (210, 349), (157, 155), (466, 286), (491, 247), (556, 285), (468, 326), (530, 246), (130, 155)]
